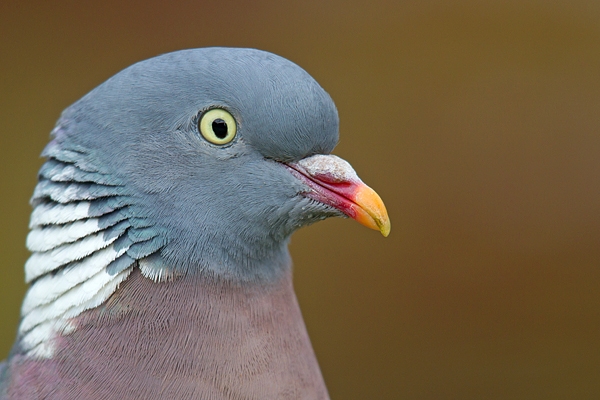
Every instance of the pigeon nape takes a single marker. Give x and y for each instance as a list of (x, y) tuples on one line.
[(159, 234)]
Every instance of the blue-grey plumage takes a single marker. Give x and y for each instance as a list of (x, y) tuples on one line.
[(143, 227), (140, 129)]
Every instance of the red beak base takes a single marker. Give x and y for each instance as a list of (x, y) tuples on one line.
[(335, 183)]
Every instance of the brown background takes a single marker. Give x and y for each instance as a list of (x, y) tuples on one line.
[(478, 124)]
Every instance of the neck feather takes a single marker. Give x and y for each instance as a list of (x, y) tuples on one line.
[(197, 336)]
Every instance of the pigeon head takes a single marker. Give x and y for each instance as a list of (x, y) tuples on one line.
[(199, 163), (205, 160)]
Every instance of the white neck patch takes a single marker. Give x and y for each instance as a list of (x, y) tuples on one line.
[(73, 244)]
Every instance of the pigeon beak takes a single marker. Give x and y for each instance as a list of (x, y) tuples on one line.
[(334, 182)]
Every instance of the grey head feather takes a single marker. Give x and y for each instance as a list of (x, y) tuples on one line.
[(132, 146)]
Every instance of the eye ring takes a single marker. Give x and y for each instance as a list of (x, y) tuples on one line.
[(217, 126)]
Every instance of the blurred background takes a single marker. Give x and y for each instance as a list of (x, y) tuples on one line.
[(477, 122)]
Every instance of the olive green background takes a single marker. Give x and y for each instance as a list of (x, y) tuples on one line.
[(477, 122)]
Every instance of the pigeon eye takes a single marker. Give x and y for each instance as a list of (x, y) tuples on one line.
[(217, 126)]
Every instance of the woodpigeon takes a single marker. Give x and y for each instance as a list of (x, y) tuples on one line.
[(160, 227)]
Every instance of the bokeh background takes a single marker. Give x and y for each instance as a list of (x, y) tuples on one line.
[(477, 122)]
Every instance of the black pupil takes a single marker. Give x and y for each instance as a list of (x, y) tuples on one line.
[(219, 127)]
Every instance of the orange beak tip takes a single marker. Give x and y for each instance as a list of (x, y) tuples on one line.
[(371, 211), (386, 228)]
